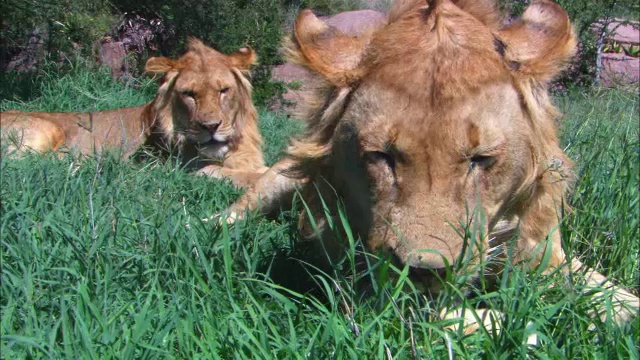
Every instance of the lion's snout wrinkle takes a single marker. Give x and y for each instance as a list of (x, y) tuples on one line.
[(427, 248)]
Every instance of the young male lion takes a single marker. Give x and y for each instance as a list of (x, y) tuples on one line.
[(439, 118), (203, 112)]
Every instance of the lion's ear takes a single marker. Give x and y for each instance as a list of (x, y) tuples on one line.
[(159, 65), (244, 58), (324, 49), (541, 43)]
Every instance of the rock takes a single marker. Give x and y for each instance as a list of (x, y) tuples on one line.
[(351, 23), (624, 33), (32, 55), (620, 69), (131, 40), (356, 22), (114, 56), (291, 74)]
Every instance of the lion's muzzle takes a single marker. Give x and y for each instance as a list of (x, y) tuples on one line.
[(210, 126)]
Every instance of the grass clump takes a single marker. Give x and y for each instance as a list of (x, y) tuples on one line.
[(75, 86), (276, 131), (601, 132)]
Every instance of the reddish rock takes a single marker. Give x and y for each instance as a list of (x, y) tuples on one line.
[(624, 33), (291, 73), (618, 69), (113, 55), (351, 23), (356, 22)]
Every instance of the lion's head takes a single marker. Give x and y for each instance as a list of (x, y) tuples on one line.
[(438, 120), (205, 98)]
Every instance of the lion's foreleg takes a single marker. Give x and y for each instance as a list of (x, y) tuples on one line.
[(622, 304), (271, 191), (472, 320), (240, 178)]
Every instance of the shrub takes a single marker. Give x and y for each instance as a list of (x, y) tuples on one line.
[(70, 26), (65, 24)]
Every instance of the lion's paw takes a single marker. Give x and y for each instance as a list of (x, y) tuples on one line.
[(473, 320), (210, 171), (223, 217)]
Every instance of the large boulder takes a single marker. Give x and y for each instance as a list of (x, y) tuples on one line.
[(619, 68), (356, 22), (353, 23), (114, 56)]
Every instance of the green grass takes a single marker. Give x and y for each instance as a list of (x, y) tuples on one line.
[(97, 262), (276, 130), (73, 87), (601, 133)]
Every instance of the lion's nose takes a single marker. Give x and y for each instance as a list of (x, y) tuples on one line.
[(211, 127)]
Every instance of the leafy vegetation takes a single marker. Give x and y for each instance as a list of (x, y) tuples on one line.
[(105, 258), (70, 29), (33, 33), (61, 22)]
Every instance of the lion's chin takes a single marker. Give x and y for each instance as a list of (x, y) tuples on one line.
[(213, 149), (220, 138)]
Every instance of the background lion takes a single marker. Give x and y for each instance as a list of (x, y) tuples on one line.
[(437, 123), (202, 112)]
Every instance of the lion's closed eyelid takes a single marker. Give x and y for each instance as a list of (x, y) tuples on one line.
[(493, 150), (188, 93), (378, 155), (387, 148), (484, 161)]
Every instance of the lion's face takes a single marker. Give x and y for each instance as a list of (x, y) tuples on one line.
[(203, 92), (447, 127), (423, 173)]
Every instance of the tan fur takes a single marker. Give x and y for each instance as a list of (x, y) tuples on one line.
[(438, 120), (203, 111)]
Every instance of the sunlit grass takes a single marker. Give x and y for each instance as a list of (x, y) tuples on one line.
[(601, 134), (105, 258), (74, 87)]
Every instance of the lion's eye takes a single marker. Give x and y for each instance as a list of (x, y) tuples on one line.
[(482, 161), (224, 90), (188, 93), (376, 157), (381, 167)]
